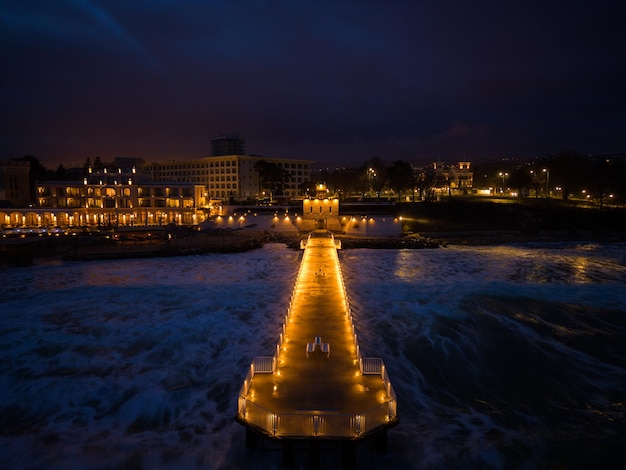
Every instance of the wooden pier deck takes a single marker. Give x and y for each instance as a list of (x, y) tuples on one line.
[(315, 394)]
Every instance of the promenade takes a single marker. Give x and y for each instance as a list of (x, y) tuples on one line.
[(317, 393)]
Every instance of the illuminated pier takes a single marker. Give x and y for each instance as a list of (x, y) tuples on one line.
[(317, 385)]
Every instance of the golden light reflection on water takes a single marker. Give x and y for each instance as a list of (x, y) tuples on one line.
[(535, 265), (406, 265), (579, 267)]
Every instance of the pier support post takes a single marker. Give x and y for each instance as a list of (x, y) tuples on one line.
[(314, 454), (252, 439), (380, 442), (288, 454), (348, 455)]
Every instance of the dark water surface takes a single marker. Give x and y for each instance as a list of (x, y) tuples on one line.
[(502, 357)]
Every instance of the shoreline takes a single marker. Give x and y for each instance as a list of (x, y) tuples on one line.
[(23, 252), (504, 237)]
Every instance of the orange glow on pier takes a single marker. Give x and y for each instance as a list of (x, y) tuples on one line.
[(319, 386)]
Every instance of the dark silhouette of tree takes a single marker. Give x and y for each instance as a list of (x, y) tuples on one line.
[(37, 173), (375, 173), (345, 181), (427, 182), (400, 176), (61, 174), (86, 167), (271, 177), (567, 170), (520, 179), (307, 188), (603, 178), (98, 164)]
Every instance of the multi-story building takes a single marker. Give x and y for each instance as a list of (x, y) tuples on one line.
[(14, 183), (453, 178), (230, 177), (230, 144), (120, 199)]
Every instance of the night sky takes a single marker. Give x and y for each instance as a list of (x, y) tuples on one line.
[(333, 81)]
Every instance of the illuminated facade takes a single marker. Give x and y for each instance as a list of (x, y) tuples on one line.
[(454, 178), (321, 212), (230, 176), (115, 199)]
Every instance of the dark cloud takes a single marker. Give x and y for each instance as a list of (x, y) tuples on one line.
[(336, 81)]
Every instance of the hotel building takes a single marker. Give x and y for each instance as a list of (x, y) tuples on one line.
[(230, 177), (136, 193), (120, 198)]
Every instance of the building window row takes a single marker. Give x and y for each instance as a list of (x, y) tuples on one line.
[(187, 166)]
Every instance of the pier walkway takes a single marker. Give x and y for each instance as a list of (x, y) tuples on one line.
[(317, 384)]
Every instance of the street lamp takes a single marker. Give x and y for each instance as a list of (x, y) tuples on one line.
[(371, 174), (547, 172), (503, 175)]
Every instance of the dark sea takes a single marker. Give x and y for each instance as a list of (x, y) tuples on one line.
[(510, 356)]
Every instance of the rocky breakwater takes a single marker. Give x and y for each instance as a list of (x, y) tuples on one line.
[(402, 242)]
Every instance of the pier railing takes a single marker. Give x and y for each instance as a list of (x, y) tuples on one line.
[(318, 424), (333, 425)]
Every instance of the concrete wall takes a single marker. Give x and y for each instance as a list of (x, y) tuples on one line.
[(373, 226)]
